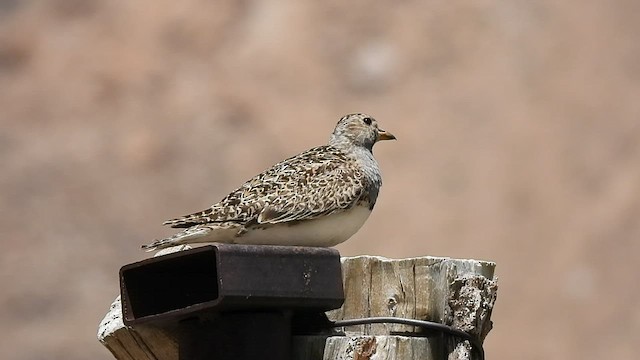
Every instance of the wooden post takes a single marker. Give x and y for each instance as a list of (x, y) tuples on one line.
[(456, 292)]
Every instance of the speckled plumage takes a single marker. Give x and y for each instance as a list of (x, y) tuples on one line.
[(317, 198)]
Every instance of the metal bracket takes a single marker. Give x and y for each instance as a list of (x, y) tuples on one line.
[(225, 296)]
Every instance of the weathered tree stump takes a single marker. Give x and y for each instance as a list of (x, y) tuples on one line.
[(455, 292)]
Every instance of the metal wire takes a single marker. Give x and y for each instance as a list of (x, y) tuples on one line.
[(475, 343)]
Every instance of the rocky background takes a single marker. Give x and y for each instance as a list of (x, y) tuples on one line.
[(518, 141)]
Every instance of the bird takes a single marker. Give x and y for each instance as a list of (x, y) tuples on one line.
[(318, 198)]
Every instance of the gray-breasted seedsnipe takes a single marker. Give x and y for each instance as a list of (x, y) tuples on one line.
[(320, 197)]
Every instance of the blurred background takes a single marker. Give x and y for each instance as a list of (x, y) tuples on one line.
[(518, 141)]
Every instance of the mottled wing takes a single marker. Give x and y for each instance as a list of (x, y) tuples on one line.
[(330, 184), (320, 181)]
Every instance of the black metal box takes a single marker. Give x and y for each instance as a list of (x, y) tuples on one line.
[(229, 277)]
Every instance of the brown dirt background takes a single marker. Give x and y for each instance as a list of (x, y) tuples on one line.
[(518, 127)]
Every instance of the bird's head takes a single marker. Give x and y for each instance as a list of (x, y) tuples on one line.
[(358, 130)]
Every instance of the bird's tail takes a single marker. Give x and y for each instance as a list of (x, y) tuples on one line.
[(201, 217), (191, 235), (155, 245)]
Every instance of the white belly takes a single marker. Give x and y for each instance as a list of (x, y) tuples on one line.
[(325, 231)]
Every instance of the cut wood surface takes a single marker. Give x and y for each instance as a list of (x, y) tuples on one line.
[(456, 292)]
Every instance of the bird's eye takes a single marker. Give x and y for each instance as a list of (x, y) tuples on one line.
[(367, 120)]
